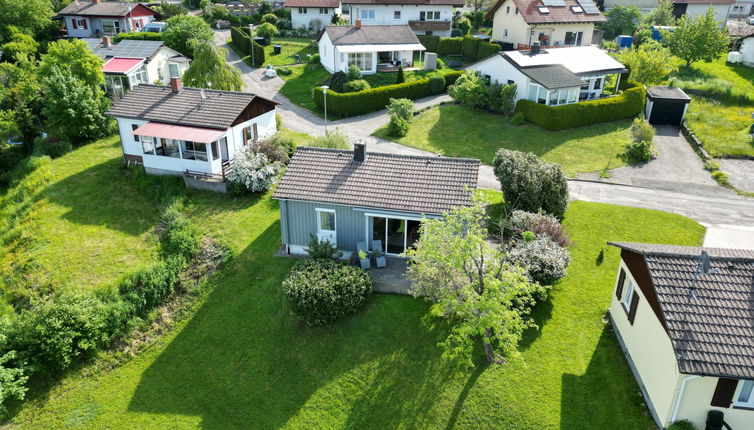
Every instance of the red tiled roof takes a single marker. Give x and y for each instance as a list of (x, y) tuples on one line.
[(312, 3), (529, 10)]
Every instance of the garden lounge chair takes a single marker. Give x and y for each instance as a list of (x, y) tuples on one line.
[(377, 251), (363, 254)]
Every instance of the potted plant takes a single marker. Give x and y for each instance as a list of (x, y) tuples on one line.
[(364, 260), (379, 258)]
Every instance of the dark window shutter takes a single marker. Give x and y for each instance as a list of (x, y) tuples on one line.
[(75, 26), (724, 391), (621, 280), (133, 128), (632, 309), (86, 27)]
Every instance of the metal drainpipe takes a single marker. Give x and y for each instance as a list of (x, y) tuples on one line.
[(679, 396)]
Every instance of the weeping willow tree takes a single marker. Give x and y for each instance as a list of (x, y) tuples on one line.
[(209, 70)]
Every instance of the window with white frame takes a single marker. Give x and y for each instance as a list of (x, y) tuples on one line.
[(324, 11), (362, 60), (110, 26), (432, 15), (628, 292), (302, 10), (325, 220), (173, 70), (396, 14), (573, 38), (367, 14), (745, 396), (537, 93)]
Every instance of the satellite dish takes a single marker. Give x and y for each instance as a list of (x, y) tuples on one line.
[(704, 263)]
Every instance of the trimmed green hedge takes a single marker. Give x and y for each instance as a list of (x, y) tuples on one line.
[(468, 46), (626, 105), (487, 49), (374, 99), (450, 46), (471, 46), (242, 41), (138, 35), (430, 42)]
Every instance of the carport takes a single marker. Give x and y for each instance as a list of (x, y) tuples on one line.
[(666, 105)]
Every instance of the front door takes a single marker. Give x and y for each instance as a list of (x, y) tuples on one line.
[(326, 226)]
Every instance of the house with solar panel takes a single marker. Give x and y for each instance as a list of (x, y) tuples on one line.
[(192, 132), (547, 22), (134, 62), (97, 18), (360, 200), (684, 318)]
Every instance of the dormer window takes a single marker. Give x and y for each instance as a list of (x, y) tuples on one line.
[(543, 9), (577, 9)]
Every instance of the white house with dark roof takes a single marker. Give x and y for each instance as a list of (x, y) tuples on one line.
[(688, 331), (548, 22), (305, 12), (692, 8), (352, 197), (370, 47), (180, 130), (551, 76), (425, 17), (133, 62), (97, 18)]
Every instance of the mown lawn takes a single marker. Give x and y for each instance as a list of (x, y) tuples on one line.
[(724, 129), (243, 361), (291, 46), (301, 82), (458, 131)]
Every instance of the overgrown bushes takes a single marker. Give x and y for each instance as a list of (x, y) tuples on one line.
[(320, 291), (251, 172), (641, 149), (543, 260), (540, 224), (138, 35), (472, 90), (401, 113), (242, 41), (626, 105)]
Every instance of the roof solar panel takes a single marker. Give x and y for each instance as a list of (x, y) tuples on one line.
[(554, 2), (588, 6)]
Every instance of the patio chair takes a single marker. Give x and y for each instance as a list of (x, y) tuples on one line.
[(378, 251), (363, 255)]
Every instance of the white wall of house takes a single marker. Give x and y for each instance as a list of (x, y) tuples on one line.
[(327, 55), (335, 61), (501, 71), (644, 5), (649, 348), (747, 51), (400, 14), (696, 403), (302, 16), (158, 67), (509, 26), (721, 11), (95, 27)]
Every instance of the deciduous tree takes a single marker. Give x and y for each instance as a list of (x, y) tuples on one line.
[(662, 14), (75, 57), (700, 38), (621, 20), (182, 29), (209, 69), (33, 17), (650, 63)]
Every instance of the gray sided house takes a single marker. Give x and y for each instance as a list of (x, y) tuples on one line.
[(350, 197)]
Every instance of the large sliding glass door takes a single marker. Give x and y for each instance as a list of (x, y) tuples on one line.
[(395, 234)]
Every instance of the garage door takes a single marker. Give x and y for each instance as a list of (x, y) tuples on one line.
[(665, 112)]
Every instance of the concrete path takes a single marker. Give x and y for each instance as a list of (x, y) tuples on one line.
[(729, 236), (740, 173)]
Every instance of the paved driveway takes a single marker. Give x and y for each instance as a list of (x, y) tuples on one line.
[(740, 173)]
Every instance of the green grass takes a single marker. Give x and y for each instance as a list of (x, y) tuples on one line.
[(300, 83), (458, 131), (723, 129), (242, 360), (742, 77), (290, 47)]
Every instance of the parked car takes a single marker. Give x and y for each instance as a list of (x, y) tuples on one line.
[(156, 27), (750, 20)]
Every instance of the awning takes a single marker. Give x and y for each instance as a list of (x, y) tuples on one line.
[(381, 48), (121, 65), (179, 132)]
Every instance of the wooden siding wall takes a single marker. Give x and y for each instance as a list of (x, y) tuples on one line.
[(638, 267), (254, 109), (301, 219)]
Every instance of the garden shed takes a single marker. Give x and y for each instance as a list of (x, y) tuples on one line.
[(666, 105)]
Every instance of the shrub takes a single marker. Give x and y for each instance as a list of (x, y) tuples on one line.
[(720, 176), (402, 108), (283, 23), (436, 83), (464, 25), (626, 105), (430, 42), (254, 171), (397, 126), (456, 32), (440, 64), (285, 71), (486, 50), (640, 152), (500, 98), (518, 119), (270, 18), (266, 30), (321, 291), (138, 35), (400, 77), (322, 249), (276, 148), (531, 184), (544, 261), (356, 85), (337, 139), (450, 46), (314, 59), (540, 224), (55, 147), (242, 41), (336, 82), (151, 286), (471, 46), (470, 90), (13, 377), (642, 130), (177, 235), (682, 425), (354, 72)]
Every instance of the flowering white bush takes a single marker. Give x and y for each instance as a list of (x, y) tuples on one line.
[(253, 171)]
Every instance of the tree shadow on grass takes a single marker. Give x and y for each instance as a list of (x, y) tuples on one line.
[(244, 361)]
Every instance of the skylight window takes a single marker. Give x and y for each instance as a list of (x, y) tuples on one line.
[(577, 9), (544, 9)]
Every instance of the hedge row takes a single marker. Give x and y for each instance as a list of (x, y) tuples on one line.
[(467, 46), (242, 41), (139, 35), (626, 105), (374, 99)]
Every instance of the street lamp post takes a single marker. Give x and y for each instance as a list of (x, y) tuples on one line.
[(251, 36), (324, 92)]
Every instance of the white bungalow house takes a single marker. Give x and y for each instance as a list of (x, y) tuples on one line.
[(553, 76), (549, 22), (425, 17), (687, 330), (369, 47), (133, 62), (179, 130), (305, 12), (96, 18)]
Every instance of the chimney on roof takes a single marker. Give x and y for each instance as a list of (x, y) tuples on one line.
[(357, 24), (95, 1), (534, 50), (106, 41), (359, 151), (176, 84)]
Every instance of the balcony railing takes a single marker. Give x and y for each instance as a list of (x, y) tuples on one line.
[(429, 25)]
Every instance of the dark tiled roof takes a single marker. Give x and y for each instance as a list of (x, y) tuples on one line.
[(104, 8), (371, 35), (705, 1), (552, 77), (187, 107), (668, 93), (713, 333), (457, 3), (529, 10), (312, 3), (430, 185)]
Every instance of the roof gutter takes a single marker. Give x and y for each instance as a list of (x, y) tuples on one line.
[(679, 396)]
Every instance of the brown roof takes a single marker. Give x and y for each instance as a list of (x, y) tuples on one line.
[(218, 109), (705, 1), (371, 34), (105, 8), (712, 332), (456, 3), (312, 3), (429, 185), (529, 10)]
